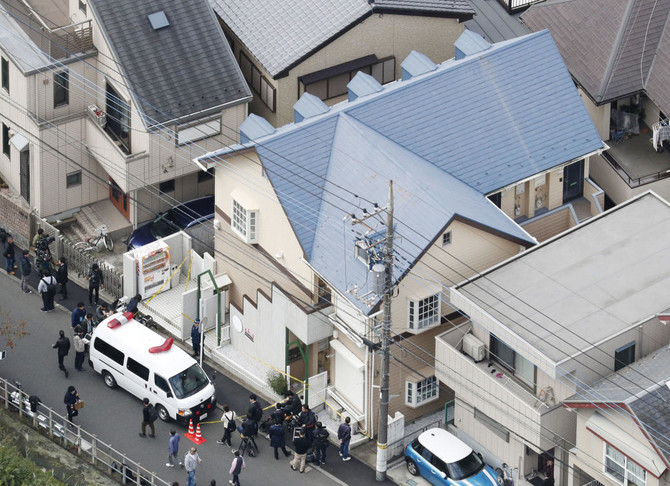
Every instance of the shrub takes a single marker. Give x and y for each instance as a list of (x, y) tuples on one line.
[(277, 382)]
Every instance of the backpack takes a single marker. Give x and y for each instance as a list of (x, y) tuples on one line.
[(232, 426), (153, 413), (51, 286)]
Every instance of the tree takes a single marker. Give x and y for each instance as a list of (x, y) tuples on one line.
[(11, 331)]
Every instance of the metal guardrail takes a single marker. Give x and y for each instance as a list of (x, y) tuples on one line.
[(80, 262), (72, 437), (632, 182)]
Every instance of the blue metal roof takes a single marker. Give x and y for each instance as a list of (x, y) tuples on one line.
[(446, 138)]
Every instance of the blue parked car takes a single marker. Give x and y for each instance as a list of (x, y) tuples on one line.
[(181, 217), (443, 459)]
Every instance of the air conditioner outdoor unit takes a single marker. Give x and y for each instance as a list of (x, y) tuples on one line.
[(474, 348), (99, 116)]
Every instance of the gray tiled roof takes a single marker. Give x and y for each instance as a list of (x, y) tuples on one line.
[(493, 22), (179, 70), (279, 33), (608, 45), (642, 387)]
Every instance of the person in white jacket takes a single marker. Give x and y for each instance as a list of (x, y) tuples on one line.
[(228, 420), (47, 293)]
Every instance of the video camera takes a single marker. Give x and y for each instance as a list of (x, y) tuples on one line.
[(43, 253), (44, 242)]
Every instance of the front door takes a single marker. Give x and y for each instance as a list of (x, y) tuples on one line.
[(573, 181), (119, 198), (24, 174)]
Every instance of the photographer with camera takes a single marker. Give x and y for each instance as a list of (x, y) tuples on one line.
[(43, 253)]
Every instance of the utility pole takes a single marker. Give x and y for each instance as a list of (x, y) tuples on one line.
[(382, 434)]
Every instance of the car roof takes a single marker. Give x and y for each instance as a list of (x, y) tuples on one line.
[(444, 445), (135, 339), (186, 213)]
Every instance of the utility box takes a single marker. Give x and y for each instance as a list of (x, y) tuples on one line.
[(474, 348)]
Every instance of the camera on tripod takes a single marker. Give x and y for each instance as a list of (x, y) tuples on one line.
[(44, 242), (43, 253)]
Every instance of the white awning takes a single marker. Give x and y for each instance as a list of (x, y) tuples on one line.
[(342, 350), (20, 142), (640, 452)]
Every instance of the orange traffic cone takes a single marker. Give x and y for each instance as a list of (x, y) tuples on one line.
[(189, 434), (199, 439)]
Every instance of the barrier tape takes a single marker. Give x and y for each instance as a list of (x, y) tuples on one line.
[(168, 280), (306, 387)]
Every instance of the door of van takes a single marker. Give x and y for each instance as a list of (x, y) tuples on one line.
[(138, 379), (162, 395)]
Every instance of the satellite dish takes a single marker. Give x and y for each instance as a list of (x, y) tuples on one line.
[(237, 324)]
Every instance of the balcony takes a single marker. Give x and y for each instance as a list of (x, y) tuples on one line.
[(497, 394), (516, 6), (50, 28)]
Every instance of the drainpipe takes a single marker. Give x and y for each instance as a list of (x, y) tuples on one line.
[(366, 380)]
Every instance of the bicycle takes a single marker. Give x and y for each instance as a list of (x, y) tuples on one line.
[(92, 244)]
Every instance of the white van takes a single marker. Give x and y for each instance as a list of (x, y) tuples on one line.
[(132, 356)]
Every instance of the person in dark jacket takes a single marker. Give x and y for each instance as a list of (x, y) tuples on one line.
[(173, 450), (292, 404), (26, 269), (10, 254), (63, 347), (247, 431), (78, 314), (133, 303), (95, 281), (278, 439), (195, 337), (71, 398), (148, 418), (278, 415), (254, 412), (320, 444), (301, 446), (307, 420), (102, 312), (61, 278), (344, 436)]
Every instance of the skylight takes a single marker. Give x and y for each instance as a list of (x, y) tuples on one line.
[(158, 20)]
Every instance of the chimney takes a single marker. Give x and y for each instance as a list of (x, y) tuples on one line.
[(308, 106), (469, 43), (363, 85), (416, 64), (255, 127)]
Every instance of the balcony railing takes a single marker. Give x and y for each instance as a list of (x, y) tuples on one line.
[(514, 6), (634, 182), (59, 42)]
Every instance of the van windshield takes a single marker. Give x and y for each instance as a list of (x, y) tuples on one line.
[(189, 381), (466, 467)]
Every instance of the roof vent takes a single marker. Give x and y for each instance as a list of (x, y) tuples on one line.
[(363, 85), (470, 43), (308, 106), (158, 20), (255, 127), (416, 64)]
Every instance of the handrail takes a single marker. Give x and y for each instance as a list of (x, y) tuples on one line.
[(72, 436)]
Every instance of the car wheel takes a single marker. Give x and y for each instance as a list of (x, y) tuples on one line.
[(163, 413), (412, 467), (109, 379)]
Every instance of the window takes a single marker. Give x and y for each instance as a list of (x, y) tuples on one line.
[(622, 468), (198, 132), (446, 239), (161, 383), (4, 67), (205, 176), (624, 356), (245, 222), (332, 82), (166, 186), (422, 392), (108, 350), (5, 140), (496, 199), (495, 427), (258, 82), (82, 6), (61, 88), (138, 369), (424, 313), (73, 179), (519, 366)]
